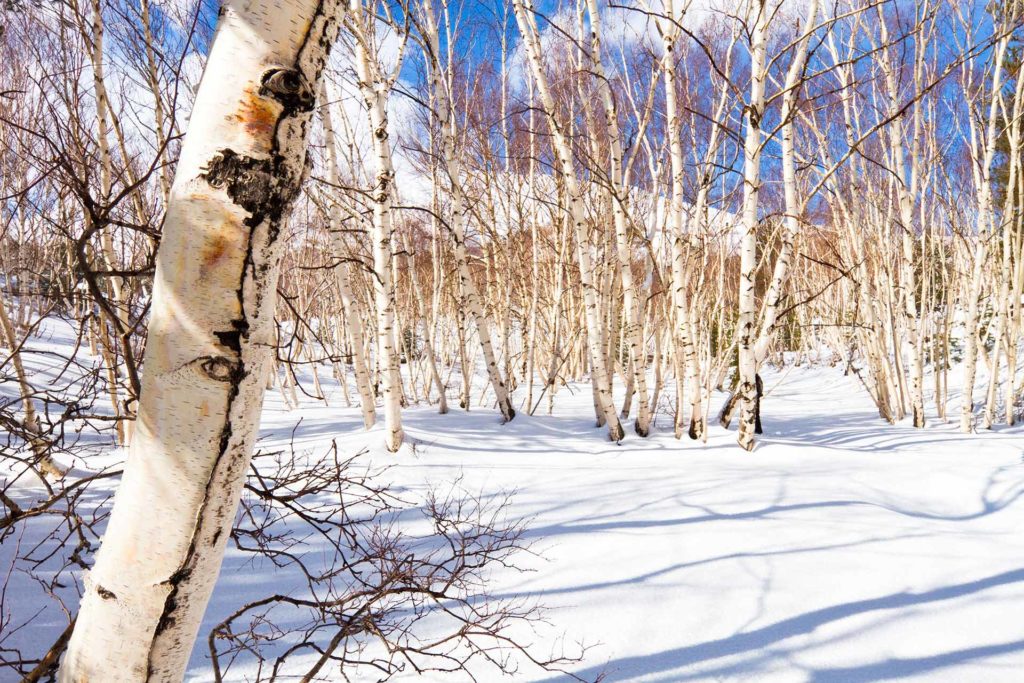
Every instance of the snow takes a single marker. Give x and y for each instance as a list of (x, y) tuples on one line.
[(841, 549)]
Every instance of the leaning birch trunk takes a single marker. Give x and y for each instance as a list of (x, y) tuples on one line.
[(631, 308), (985, 225), (459, 209), (747, 389), (353, 321), (773, 295), (375, 88), (210, 344), (30, 423), (599, 368)]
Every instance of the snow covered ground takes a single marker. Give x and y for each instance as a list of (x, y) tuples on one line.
[(841, 549)]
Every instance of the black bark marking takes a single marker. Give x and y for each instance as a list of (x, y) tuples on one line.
[(758, 393), (232, 339), (105, 593), (167, 618), (220, 369), (696, 428), (288, 87), (263, 187)]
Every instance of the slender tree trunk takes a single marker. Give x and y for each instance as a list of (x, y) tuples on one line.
[(30, 423), (428, 336), (984, 154), (683, 340), (906, 189), (746, 333), (631, 308), (353, 321), (531, 351), (774, 293), (599, 372), (375, 90)]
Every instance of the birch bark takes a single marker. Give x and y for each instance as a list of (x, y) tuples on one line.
[(375, 87), (30, 422), (353, 321), (210, 344), (794, 208), (984, 155), (632, 309), (906, 190), (684, 340), (748, 246), (459, 209), (599, 368)]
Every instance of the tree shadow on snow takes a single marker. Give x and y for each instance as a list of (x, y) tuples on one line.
[(672, 665)]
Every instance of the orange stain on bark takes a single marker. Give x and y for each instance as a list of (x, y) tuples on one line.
[(257, 114), (216, 250), (223, 246)]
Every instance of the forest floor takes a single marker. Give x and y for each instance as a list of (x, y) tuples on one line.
[(841, 549)]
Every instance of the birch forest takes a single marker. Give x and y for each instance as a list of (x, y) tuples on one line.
[(361, 340)]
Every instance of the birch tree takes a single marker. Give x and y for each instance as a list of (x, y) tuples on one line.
[(984, 135), (210, 344), (619, 191), (794, 207), (446, 121), (353, 320), (669, 28), (752, 148), (567, 172), (375, 85)]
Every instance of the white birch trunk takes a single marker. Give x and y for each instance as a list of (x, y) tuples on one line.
[(353, 321), (375, 89), (686, 350), (794, 208), (746, 334), (632, 328), (459, 210), (599, 369), (985, 224), (906, 190), (210, 343), (30, 423)]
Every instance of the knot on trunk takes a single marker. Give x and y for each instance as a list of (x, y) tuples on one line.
[(263, 187), (221, 369), (288, 87), (105, 593)]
